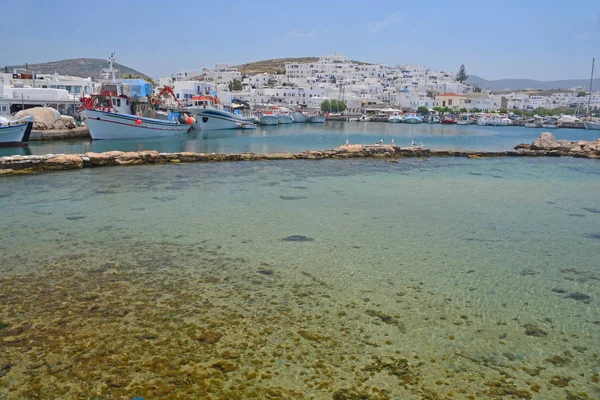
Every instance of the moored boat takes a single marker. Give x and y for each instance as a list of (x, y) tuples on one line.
[(448, 120), (210, 114), (592, 125), (285, 116), (317, 118), (413, 118), (550, 123), (465, 119), (396, 117), (300, 117), (122, 111), (269, 118), (15, 132), (533, 123)]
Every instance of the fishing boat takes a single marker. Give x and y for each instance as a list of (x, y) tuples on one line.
[(550, 123), (364, 118), (300, 117), (285, 116), (592, 125), (465, 119), (396, 117), (533, 123), (269, 118), (316, 118), (413, 118), (446, 120), (122, 110), (210, 114), (15, 132)]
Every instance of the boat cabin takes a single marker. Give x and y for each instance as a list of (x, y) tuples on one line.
[(204, 101)]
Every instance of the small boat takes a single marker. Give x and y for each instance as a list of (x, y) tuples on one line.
[(364, 118), (533, 123), (212, 115), (396, 117), (15, 132), (300, 117), (592, 125), (269, 118), (465, 119), (448, 121), (550, 123), (317, 118), (413, 118), (285, 116)]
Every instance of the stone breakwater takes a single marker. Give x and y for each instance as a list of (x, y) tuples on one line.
[(61, 162)]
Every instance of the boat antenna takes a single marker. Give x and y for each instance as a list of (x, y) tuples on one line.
[(591, 80), (111, 64)]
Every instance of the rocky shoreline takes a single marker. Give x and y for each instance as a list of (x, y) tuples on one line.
[(55, 134), (544, 146)]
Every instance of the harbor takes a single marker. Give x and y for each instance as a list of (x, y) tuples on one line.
[(232, 201)]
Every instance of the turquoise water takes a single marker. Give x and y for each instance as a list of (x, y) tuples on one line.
[(301, 137), (440, 278)]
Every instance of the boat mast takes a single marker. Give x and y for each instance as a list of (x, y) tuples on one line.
[(591, 80)]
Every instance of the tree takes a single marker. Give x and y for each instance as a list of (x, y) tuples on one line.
[(423, 110), (333, 105), (462, 74), (235, 85), (325, 106), (341, 106)]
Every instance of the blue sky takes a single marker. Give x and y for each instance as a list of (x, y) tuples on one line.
[(544, 40)]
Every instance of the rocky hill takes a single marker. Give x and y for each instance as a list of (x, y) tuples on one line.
[(82, 67), (525, 84), (275, 66)]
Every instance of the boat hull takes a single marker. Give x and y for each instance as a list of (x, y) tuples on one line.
[(269, 120), (300, 118), (106, 125), (411, 120), (550, 126), (210, 119), (17, 135), (463, 122), (395, 120), (532, 125), (592, 125), (286, 119), (317, 119)]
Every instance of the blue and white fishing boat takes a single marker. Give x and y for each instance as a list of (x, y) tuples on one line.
[(211, 114), (300, 117), (285, 116), (396, 117), (413, 118), (317, 118), (122, 110), (269, 118), (15, 132)]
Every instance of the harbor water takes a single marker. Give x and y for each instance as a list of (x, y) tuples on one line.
[(421, 279), (301, 137)]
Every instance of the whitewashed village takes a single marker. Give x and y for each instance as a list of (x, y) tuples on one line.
[(331, 87)]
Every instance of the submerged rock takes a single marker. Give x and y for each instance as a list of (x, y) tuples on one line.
[(297, 238)]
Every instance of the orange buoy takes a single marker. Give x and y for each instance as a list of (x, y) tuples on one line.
[(138, 121), (189, 120)]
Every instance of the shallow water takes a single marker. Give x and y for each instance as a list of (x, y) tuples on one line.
[(301, 137), (439, 278)]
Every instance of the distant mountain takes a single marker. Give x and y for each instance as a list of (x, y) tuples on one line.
[(82, 67), (523, 84)]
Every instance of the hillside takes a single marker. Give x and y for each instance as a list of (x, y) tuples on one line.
[(275, 66), (523, 84), (82, 67)]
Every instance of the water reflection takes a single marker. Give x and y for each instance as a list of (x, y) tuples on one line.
[(301, 137)]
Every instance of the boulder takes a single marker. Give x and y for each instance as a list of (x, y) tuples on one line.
[(546, 141), (64, 161), (45, 117)]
